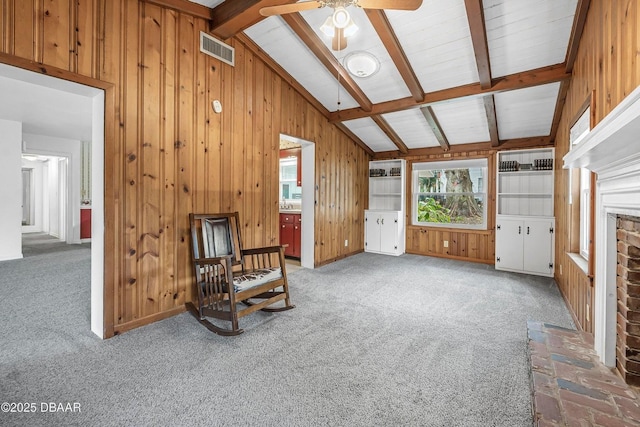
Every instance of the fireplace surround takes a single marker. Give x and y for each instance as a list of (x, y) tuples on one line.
[(612, 151)]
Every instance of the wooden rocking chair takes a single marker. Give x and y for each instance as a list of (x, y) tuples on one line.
[(228, 277)]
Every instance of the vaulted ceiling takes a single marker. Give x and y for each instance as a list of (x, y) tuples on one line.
[(452, 72)]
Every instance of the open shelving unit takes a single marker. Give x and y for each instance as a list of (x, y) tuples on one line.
[(384, 220), (524, 222), (526, 191)]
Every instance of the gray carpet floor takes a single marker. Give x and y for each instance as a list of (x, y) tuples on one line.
[(373, 341)]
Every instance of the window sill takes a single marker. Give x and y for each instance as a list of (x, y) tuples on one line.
[(579, 261)]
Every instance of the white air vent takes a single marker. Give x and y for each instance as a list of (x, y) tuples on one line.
[(217, 49)]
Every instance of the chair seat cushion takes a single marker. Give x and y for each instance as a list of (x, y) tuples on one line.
[(256, 277)]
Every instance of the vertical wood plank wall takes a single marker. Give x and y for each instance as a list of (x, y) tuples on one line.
[(607, 63), (171, 154)]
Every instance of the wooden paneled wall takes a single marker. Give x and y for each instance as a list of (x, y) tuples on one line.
[(468, 245), (607, 63), (168, 154)]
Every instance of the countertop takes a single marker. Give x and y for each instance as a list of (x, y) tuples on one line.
[(290, 211)]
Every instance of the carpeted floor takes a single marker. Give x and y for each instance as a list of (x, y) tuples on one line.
[(373, 341)]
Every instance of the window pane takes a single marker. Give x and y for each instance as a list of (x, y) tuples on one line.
[(468, 180), (447, 208), (450, 194)]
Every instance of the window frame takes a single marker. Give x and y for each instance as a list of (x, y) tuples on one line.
[(582, 239), (417, 167)]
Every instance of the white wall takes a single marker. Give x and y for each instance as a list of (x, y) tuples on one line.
[(10, 190), (61, 147)]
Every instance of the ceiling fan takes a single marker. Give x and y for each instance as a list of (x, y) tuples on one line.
[(340, 25)]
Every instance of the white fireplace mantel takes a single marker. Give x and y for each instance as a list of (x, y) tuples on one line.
[(612, 151), (614, 142)]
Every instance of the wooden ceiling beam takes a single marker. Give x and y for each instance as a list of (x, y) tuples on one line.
[(509, 144), (232, 17), (393, 136), (539, 76), (475, 16), (315, 44), (184, 6), (388, 37), (562, 96), (492, 121), (579, 20), (431, 118)]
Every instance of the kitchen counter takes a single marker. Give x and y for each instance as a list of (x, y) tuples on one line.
[(290, 211)]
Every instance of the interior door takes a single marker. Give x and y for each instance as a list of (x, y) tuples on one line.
[(509, 240), (26, 196), (537, 246)]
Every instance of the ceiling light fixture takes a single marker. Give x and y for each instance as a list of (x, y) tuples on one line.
[(339, 19), (361, 64)]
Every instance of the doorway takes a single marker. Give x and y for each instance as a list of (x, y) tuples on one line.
[(33, 99), (307, 199)]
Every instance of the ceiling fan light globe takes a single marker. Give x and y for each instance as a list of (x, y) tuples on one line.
[(351, 29), (327, 28), (341, 17)]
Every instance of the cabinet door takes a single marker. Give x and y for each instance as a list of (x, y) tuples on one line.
[(509, 240), (296, 237), (286, 237), (538, 241), (388, 232), (372, 232)]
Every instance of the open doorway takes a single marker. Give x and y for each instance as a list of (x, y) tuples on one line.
[(52, 117), (306, 199), (45, 202)]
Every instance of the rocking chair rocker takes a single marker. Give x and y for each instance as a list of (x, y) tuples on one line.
[(229, 277)]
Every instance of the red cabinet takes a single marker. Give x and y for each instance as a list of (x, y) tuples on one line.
[(290, 233), (85, 223)]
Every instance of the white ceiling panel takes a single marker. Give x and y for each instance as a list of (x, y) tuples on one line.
[(272, 34), (463, 121), (369, 132), (45, 110), (524, 34), (208, 3), (526, 112), (437, 41), (412, 128), (384, 85)]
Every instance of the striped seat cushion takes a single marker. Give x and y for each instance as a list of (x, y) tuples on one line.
[(256, 278)]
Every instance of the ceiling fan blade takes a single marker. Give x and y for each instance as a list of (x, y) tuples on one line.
[(290, 8), (390, 4), (339, 41)]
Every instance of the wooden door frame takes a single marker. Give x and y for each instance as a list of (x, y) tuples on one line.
[(110, 184)]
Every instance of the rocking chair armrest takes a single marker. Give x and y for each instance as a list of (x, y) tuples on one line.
[(216, 260), (265, 250)]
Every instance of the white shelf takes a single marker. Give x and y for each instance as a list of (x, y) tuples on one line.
[(528, 191), (387, 192)]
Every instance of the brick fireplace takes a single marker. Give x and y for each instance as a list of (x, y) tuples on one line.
[(628, 291), (612, 151)]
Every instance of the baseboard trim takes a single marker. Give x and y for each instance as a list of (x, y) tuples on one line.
[(329, 261), (457, 258), (124, 327)]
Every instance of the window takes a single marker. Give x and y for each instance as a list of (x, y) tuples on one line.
[(578, 131), (450, 194)]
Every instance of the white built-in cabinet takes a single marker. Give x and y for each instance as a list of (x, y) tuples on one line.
[(525, 224), (384, 220)]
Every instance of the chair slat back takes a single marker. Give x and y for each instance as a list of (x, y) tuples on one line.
[(216, 235)]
